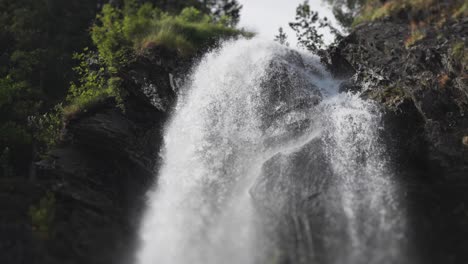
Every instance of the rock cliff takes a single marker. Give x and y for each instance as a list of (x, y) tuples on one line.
[(423, 90), (98, 176)]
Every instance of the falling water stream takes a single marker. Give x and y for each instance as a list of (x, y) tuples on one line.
[(266, 162)]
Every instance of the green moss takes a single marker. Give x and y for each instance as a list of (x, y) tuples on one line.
[(375, 9), (415, 36), (458, 50), (462, 11), (389, 95), (42, 215), (459, 54)]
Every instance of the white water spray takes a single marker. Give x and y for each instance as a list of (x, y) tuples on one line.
[(245, 103)]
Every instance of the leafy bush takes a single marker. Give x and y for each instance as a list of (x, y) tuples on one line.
[(307, 24), (42, 215), (423, 10), (187, 32), (48, 129), (459, 53), (462, 11), (93, 86), (119, 34)]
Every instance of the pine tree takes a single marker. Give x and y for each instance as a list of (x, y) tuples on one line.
[(306, 27), (282, 37)]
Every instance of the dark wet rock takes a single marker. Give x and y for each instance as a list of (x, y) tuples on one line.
[(98, 175), (424, 85), (423, 90), (291, 191), (288, 94)]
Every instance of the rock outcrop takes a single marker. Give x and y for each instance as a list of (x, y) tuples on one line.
[(423, 89), (422, 85), (97, 177), (84, 205)]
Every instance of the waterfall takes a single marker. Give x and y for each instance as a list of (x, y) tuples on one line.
[(264, 161)]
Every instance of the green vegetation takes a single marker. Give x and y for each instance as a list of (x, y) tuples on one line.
[(121, 34), (462, 11), (374, 10), (389, 95), (282, 38), (345, 11), (42, 215), (93, 86), (459, 54), (187, 33), (416, 10), (37, 39), (417, 34), (307, 25), (38, 71)]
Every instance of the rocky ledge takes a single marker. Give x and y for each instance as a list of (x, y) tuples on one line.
[(90, 190), (422, 86)]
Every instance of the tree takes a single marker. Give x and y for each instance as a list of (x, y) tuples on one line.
[(282, 38), (346, 10), (37, 40), (306, 27), (228, 9)]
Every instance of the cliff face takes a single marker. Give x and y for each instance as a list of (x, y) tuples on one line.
[(423, 90), (423, 87), (99, 175), (90, 191)]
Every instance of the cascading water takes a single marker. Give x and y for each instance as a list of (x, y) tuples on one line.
[(265, 162)]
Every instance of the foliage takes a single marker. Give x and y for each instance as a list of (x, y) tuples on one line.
[(121, 33), (282, 38), (459, 53), (429, 11), (187, 32), (307, 24), (462, 11), (389, 95), (48, 127), (42, 215), (108, 37), (226, 10), (94, 84), (5, 163), (417, 34), (37, 39), (345, 11)]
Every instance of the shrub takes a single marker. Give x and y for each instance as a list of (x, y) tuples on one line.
[(459, 54), (187, 33), (462, 11), (119, 34), (42, 215), (417, 33), (422, 9), (49, 127), (97, 82)]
